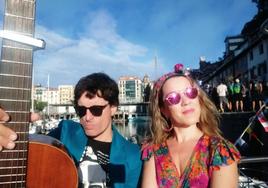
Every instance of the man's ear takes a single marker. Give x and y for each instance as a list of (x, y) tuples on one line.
[(113, 110)]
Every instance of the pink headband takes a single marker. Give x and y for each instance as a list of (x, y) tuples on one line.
[(178, 71)]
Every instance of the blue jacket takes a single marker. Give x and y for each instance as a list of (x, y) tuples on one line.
[(125, 157)]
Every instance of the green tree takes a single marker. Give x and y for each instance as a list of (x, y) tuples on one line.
[(39, 105)]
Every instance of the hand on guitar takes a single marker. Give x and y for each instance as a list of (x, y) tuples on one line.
[(7, 135)]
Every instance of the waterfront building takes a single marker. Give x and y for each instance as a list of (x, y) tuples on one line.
[(133, 97), (66, 94), (43, 94), (53, 96), (232, 43), (246, 54), (130, 89), (38, 93), (61, 111)]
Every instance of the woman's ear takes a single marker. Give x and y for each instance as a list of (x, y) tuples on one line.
[(164, 112), (166, 117)]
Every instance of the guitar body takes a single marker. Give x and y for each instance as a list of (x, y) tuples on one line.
[(49, 165)]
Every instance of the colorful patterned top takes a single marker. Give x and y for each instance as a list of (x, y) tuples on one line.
[(209, 154)]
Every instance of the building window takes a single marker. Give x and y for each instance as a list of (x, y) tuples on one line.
[(261, 48), (262, 69)]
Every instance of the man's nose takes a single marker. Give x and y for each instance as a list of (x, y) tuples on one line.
[(88, 115)]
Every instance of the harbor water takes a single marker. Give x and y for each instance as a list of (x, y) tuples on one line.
[(135, 130)]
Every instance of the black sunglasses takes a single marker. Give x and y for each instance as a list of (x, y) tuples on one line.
[(94, 110)]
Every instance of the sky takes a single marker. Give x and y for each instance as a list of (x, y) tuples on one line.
[(126, 37)]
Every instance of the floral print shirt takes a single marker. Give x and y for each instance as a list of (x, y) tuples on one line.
[(209, 154)]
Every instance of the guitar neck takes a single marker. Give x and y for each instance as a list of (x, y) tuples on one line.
[(15, 88)]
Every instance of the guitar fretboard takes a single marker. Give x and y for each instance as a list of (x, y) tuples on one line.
[(15, 89)]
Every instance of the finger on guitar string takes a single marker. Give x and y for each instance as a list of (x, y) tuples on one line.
[(7, 136), (7, 140), (3, 116)]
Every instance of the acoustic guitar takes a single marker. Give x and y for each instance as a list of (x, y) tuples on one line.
[(42, 161)]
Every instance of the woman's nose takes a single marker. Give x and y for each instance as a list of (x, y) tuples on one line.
[(184, 100)]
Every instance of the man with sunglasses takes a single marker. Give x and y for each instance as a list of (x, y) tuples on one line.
[(103, 157)]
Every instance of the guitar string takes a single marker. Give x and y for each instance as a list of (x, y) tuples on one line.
[(20, 162), (26, 136), (19, 119), (28, 94), (24, 120), (15, 116), (14, 81), (22, 106), (10, 107), (5, 155)]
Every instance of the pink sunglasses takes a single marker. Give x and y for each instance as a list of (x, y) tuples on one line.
[(174, 97)]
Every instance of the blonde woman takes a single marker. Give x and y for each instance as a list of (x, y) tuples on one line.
[(186, 148)]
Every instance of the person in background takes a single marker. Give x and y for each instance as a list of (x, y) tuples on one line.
[(245, 95), (186, 148), (230, 97), (222, 92), (239, 106), (215, 97), (256, 92), (103, 157), (260, 92)]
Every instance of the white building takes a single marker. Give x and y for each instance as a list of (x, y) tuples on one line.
[(38, 93), (130, 89), (66, 94), (44, 94), (52, 96), (246, 55)]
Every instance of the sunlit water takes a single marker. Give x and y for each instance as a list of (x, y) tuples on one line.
[(135, 130)]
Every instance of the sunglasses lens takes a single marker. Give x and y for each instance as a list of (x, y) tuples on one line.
[(81, 111), (191, 92), (96, 110), (173, 98)]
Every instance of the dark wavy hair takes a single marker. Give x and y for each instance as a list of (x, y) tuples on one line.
[(97, 84)]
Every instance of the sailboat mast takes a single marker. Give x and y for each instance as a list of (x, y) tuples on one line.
[(48, 95)]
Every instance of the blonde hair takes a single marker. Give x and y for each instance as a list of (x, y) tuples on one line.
[(208, 122)]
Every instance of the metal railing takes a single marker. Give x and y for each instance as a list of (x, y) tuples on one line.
[(246, 181)]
